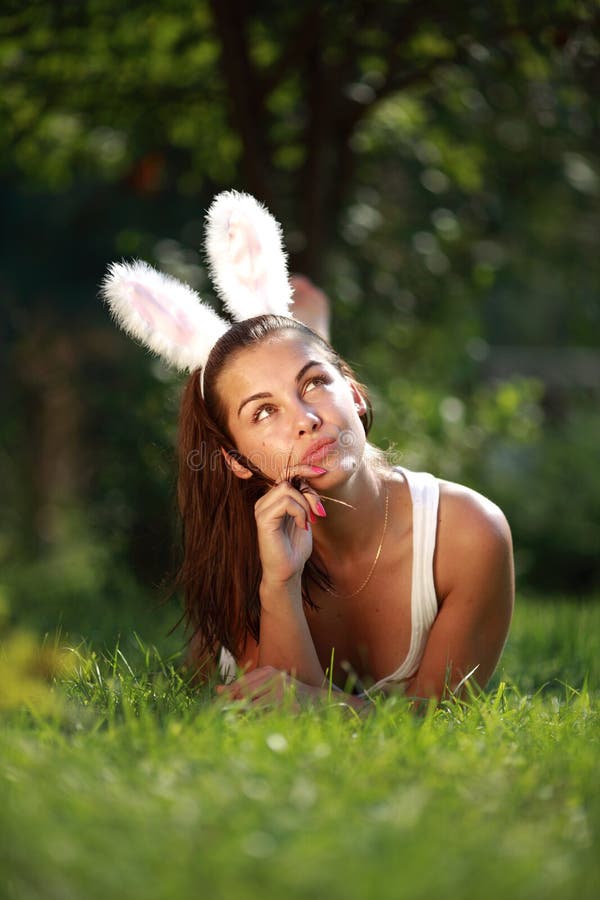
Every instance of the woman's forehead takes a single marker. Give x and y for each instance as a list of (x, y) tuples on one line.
[(282, 353), (277, 359)]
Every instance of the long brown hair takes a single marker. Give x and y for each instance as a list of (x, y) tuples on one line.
[(220, 573)]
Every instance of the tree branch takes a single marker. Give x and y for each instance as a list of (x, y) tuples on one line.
[(247, 108), (300, 42)]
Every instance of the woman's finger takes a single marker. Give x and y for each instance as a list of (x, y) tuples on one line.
[(307, 473), (308, 499), (285, 501), (317, 508), (259, 683), (261, 675), (312, 472)]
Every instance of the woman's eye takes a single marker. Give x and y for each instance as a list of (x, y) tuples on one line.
[(317, 380), (258, 417)]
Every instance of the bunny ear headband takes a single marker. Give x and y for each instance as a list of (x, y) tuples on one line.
[(248, 268)]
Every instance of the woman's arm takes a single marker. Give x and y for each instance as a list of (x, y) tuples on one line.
[(474, 575), (285, 640), (283, 516)]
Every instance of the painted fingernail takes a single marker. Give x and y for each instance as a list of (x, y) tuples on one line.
[(312, 516), (318, 470), (306, 526), (321, 509)]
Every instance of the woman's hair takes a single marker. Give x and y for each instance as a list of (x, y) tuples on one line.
[(220, 573)]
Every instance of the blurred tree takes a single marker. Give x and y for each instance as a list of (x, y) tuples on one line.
[(433, 165), (184, 96)]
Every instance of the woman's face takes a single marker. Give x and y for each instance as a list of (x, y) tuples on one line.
[(287, 404)]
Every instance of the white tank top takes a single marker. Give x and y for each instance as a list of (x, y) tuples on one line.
[(425, 494)]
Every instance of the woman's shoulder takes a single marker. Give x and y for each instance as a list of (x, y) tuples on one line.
[(471, 531), (456, 499), (469, 511), (473, 535), (463, 513)]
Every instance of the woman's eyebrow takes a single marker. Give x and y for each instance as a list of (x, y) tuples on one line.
[(263, 394)]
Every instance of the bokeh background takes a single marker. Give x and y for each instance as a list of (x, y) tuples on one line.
[(436, 170)]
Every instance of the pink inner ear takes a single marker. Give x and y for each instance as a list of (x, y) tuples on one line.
[(246, 254), (164, 317), (140, 299)]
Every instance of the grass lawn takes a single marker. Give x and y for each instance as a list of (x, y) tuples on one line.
[(133, 786)]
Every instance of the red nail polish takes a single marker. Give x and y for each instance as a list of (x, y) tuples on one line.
[(312, 516), (321, 509), (318, 470)]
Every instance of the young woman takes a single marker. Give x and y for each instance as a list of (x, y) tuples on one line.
[(305, 553)]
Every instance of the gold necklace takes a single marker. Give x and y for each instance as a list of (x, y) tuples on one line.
[(377, 555)]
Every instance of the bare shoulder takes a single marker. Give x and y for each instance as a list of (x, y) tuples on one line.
[(474, 539), (467, 511)]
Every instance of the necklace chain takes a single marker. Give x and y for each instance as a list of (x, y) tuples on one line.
[(377, 555)]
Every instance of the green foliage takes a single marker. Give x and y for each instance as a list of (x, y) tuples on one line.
[(80, 589), (435, 167), (77, 77), (477, 300)]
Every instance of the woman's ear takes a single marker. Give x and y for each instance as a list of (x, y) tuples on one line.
[(359, 401), (236, 467)]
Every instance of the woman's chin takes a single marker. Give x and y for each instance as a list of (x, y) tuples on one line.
[(337, 472)]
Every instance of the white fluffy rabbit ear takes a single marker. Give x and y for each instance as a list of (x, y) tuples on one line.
[(246, 257), (164, 314)]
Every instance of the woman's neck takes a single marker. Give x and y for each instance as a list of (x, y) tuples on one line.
[(347, 531)]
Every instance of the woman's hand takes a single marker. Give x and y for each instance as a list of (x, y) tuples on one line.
[(283, 517), (268, 686)]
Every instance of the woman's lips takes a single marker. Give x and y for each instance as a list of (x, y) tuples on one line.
[(320, 453)]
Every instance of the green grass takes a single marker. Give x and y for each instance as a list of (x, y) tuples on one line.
[(136, 787)]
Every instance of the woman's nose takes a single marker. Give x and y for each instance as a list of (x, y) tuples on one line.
[(307, 419)]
